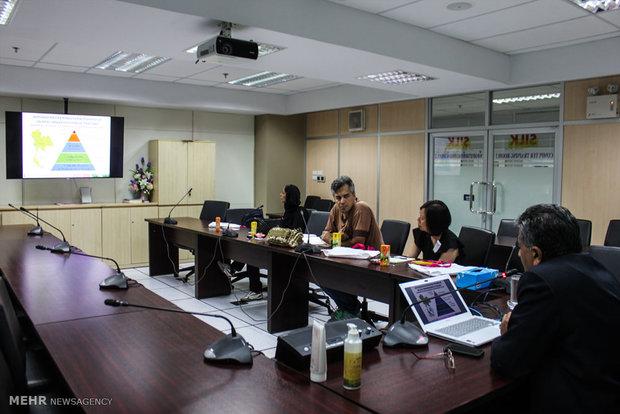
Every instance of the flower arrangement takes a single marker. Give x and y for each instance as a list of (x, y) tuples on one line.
[(142, 179)]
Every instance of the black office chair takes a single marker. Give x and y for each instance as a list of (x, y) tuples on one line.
[(310, 200), (508, 228), (317, 222), (585, 232), (210, 210), (323, 205), (608, 256), (476, 246), (612, 237), (395, 233)]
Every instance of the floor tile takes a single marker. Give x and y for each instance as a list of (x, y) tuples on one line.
[(221, 324), (153, 284), (135, 274), (170, 293), (193, 305), (259, 339)]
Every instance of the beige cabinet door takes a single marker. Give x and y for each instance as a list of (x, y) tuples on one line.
[(116, 234), (59, 218), (139, 233), (201, 171), (17, 217), (169, 163), (86, 230)]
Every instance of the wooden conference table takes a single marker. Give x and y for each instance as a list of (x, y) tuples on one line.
[(141, 360)]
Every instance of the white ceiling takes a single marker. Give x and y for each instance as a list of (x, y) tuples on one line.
[(494, 44)]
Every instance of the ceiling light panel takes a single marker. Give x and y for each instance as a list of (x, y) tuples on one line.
[(527, 98), (395, 77), (7, 7), (131, 62), (596, 6), (263, 79)]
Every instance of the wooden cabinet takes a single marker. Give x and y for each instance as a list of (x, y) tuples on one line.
[(116, 234), (86, 230), (180, 165), (139, 233)]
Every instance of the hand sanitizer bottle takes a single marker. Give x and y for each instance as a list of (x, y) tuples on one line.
[(352, 377)]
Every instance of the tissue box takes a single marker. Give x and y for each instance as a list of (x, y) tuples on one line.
[(478, 274)]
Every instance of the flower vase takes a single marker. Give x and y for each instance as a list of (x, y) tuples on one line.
[(144, 197)]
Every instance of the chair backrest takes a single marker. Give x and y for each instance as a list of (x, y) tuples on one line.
[(6, 387), (323, 204), (212, 209), (317, 222), (608, 256), (585, 232), (310, 200), (612, 237), (234, 215), (508, 228), (395, 233), (476, 246), (11, 339)]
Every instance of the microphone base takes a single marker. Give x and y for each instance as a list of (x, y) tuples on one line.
[(169, 220), (229, 350), (62, 247), (404, 335), (117, 281), (37, 231)]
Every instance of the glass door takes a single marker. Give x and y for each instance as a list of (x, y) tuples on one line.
[(485, 177)]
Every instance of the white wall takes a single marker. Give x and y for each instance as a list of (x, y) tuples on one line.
[(233, 134)]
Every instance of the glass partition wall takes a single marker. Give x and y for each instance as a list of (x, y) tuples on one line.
[(494, 154)]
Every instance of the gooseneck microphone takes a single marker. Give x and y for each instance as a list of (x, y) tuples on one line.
[(62, 247), (231, 349), (37, 231), (306, 247), (116, 281), (170, 220), (407, 334)]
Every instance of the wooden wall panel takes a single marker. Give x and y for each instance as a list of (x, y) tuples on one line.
[(575, 94), (401, 189), (322, 124), (403, 116), (371, 124), (321, 154), (590, 174), (358, 160)]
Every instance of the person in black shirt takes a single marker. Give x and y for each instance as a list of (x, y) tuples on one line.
[(432, 237), (292, 219)]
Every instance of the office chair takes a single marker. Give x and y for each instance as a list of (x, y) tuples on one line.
[(323, 205), (585, 232), (608, 256), (235, 216), (508, 228), (395, 233), (210, 210), (310, 200), (477, 244), (612, 237)]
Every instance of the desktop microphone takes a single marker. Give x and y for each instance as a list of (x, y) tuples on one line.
[(306, 247), (405, 334), (231, 349), (37, 231), (117, 281), (170, 220), (62, 247)]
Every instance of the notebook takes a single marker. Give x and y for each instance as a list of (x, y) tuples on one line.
[(447, 316)]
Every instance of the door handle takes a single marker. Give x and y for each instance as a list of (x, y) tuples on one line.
[(471, 197)]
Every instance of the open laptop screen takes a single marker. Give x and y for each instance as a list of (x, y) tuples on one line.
[(440, 307)]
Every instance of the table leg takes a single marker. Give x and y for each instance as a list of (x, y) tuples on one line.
[(210, 281), (288, 294), (161, 260)]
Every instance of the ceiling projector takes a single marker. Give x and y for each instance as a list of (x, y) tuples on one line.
[(225, 49)]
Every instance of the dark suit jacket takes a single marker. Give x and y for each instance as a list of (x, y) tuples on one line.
[(563, 337)]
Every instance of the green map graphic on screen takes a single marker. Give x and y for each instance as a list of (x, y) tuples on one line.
[(40, 143), (73, 157)]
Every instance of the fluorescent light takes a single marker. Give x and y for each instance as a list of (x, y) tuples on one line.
[(131, 62), (527, 98), (6, 10), (263, 79), (395, 77), (595, 6)]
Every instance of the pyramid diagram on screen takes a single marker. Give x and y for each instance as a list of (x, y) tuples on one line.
[(73, 157)]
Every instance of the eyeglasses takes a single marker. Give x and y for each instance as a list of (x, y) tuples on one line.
[(447, 356)]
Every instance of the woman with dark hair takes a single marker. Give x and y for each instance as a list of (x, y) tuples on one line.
[(292, 219), (432, 236)]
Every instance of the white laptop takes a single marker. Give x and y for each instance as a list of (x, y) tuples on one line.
[(447, 316)]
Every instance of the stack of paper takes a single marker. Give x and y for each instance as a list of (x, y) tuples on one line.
[(453, 269), (350, 253), (231, 226)]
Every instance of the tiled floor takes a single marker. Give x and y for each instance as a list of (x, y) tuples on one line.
[(250, 319)]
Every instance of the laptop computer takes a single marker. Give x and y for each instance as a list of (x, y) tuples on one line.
[(447, 316)]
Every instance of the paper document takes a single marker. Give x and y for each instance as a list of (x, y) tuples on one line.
[(350, 253), (231, 226), (440, 271), (314, 240)]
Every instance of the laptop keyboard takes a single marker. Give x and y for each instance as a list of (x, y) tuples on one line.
[(465, 327)]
